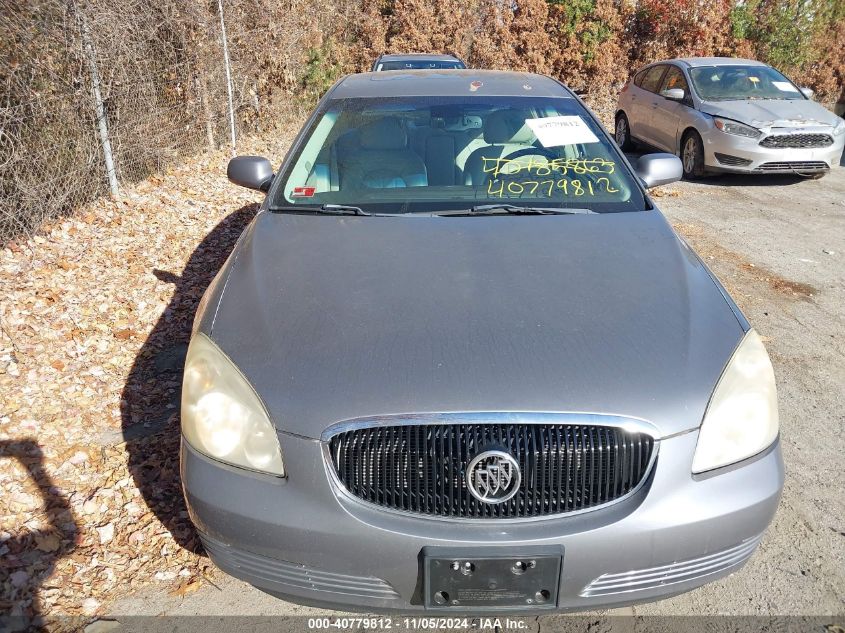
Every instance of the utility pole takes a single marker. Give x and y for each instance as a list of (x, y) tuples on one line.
[(228, 75), (99, 109)]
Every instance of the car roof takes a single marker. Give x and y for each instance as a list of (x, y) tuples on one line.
[(695, 62), (398, 57), (449, 83)]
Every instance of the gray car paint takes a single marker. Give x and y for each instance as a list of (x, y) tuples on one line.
[(306, 520), (403, 83), (771, 113), (339, 317)]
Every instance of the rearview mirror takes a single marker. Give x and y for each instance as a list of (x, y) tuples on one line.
[(808, 92), (659, 169), (673, 94), (252, 172)]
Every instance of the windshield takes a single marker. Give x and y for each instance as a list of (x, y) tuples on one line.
[(429, 154), (724, 83), (419, 64)]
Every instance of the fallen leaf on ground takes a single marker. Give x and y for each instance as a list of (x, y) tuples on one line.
[(184, 590), (106, 533), (48, 542), (91, 347)]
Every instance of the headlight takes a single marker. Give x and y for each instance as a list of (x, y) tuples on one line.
[(742, 417), (739, 129), (222, 416), (839, 128)]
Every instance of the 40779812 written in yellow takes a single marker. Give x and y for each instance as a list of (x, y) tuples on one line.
[(537, 176)]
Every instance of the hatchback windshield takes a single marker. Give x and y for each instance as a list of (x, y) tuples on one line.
[(725, 83), (419, 64), (430, 154)]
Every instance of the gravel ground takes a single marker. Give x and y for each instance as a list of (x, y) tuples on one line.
[(778, 244)]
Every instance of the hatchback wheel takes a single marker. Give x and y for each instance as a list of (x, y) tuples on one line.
[(623, 134), (692, 156)]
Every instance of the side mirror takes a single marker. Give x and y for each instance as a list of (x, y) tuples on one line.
[(673, 94), (252, 172), (808, 92), (659, 169)]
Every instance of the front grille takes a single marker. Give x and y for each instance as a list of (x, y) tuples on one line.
[(421, 468), (691, 570), (286, 577), (799, 166), (797, 140)]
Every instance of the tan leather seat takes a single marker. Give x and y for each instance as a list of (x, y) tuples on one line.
[(381, 159), (506, 132)]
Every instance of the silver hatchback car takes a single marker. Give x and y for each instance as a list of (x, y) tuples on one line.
[(726, 114)]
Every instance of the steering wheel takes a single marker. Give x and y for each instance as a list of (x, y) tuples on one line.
[(525, 151), (531, 151)]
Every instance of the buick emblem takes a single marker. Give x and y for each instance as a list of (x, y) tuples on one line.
[(493, 476)]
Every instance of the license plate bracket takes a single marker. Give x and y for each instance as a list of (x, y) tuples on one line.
[(458, 579)]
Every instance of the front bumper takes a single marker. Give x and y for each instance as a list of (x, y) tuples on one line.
[(299, 539), (756, 159)]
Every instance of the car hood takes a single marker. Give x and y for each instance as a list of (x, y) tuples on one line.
[(772, 113), (332, 318)]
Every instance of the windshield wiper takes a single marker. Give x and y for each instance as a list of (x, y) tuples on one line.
[(326, 209), (501, 208)]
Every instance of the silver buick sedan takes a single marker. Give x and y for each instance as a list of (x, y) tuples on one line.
[(460, 363), (728, 115)]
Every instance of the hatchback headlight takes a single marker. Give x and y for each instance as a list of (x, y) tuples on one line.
[(742, 417), (222, 416), (839, 128), (733, 127)]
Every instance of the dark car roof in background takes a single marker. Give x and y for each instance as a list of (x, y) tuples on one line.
[(398, 57), (401, 83)]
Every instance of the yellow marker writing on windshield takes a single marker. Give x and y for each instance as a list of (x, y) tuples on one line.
[(505, 188), (562, 166)]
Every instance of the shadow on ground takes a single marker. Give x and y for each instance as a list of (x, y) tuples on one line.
[(150, 399), (750, 180), (29, 556)]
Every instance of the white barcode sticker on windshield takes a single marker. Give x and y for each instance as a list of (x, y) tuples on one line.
[(554, 131), (784, 86)]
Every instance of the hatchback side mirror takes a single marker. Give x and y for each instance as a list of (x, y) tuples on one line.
[(808, 92), (659, 169), (252, 172), (673, 94)]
